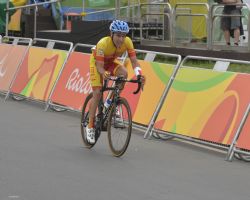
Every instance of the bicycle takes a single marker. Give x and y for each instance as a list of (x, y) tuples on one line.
[(117, 118)]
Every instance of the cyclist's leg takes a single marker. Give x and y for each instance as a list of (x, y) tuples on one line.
[(93, 106), (121, 70), (96, 83)]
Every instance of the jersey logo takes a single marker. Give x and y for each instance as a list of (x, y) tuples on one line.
[(100, 52)]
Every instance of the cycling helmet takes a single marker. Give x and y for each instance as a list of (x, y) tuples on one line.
[(119, 26)]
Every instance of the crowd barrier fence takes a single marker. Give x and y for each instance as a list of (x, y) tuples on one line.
[(200, 105), (40, 70), (11, 48), (73, 85), (204, 106)]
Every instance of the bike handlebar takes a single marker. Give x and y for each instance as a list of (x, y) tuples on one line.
[(120, 79)]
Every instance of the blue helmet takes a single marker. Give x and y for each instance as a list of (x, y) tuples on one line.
[(119, 26)]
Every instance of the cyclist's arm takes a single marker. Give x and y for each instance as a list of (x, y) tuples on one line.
[(132, 55), (100, 67), (99, 57), (136, 66)]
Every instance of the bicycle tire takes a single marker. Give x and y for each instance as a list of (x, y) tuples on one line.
[(84, 121), (119, 126)]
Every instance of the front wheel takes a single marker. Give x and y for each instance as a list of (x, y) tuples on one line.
[(119, 127), (85, 120)]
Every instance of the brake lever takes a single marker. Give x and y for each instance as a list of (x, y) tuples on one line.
[(139, 85)]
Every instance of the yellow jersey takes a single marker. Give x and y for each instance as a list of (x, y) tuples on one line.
[(107, 52)]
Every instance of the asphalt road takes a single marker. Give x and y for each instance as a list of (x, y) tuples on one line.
[(42, 158)]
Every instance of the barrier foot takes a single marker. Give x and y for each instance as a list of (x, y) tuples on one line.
[(149, 131), (7, 96), (230, 154), (46, 107)]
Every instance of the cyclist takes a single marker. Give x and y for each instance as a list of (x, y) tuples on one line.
[(104, 63)]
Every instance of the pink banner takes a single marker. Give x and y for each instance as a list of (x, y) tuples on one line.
[(10, 66)]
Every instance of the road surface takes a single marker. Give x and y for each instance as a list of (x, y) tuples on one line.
[(42, 158)]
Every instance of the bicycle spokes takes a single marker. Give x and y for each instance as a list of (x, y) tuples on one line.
[(119, 121), (119, 127)]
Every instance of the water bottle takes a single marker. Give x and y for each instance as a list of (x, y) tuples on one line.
[(107, 104)]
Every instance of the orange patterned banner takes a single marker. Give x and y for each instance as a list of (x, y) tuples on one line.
[(38, 72), (205, 104), (144, 103)]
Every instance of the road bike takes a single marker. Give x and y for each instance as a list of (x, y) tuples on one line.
[(115, 119)]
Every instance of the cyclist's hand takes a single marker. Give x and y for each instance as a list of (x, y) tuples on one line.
[(106, 75), (142, 79)]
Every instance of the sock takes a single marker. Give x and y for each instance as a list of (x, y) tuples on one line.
[(91, 123)]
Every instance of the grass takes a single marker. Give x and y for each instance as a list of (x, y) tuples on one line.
[(205, 64)]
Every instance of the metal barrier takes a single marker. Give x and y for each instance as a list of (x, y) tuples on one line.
[(16, 40), (176, 15), (231, 149), (13, 46), (55, 105), (213, 16), (178, 35), (149, 131), (184, 10), (164, 25), (47, 51)]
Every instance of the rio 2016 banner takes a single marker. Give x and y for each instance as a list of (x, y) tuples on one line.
[(38, 73), (8, 65), (205, 104), (74, 84)]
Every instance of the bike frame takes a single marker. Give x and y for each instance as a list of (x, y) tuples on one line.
[(101, 117)]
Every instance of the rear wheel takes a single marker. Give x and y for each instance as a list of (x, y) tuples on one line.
[(119, 127), (85, 120)]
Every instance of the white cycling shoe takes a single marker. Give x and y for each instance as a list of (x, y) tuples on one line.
[(90, 132)]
